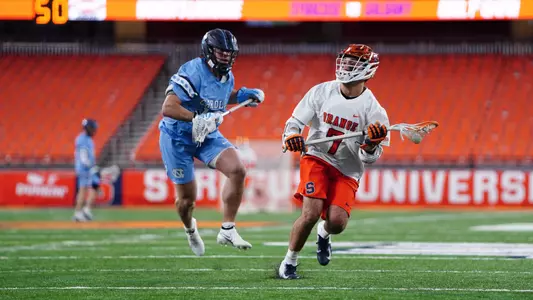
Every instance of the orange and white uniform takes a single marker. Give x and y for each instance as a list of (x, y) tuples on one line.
[(331, 171)]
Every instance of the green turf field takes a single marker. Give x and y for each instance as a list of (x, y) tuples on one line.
[(374, 261)]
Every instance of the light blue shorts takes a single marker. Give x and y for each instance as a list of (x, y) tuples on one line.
[(178, 154)]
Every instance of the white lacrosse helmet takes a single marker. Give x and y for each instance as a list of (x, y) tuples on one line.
[(355, 63)]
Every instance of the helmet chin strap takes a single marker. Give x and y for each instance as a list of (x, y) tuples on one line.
[(211, 64)]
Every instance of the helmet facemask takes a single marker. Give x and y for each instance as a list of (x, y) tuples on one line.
[(354, 66), (221, 60)]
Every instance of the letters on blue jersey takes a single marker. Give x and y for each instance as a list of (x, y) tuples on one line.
[(200, 91), (83, 141)]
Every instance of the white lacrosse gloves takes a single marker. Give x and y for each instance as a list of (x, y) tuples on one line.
[(244, 94), (204, 124)]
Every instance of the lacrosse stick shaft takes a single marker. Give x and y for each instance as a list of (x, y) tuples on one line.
[(334, 138), (413, 132), (243, 104)]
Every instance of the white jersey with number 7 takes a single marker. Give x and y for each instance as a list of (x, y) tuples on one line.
[(328, 113)]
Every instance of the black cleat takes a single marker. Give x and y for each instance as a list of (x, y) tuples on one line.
[(287, 271), (323, 253)]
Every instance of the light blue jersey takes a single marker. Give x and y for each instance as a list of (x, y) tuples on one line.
[(84, 159), (200, 91)]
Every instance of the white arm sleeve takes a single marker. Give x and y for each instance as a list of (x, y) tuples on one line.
[(84, 157), (301, 116), (368, 158), (376, 113)]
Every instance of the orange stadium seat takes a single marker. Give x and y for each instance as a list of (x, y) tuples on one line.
[(44, 98), (479, 101)]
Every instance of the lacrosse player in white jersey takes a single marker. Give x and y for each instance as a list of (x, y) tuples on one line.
[(330, 172)]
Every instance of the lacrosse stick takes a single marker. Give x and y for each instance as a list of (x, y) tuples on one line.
[(413, 132), (200, 136), (229, 111), (111, 172)]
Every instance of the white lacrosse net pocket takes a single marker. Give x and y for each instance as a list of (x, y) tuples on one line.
[(200, 130), (415, 132), (271, 177)]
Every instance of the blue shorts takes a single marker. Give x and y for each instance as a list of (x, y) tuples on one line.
[(178, 154), (85, 179)]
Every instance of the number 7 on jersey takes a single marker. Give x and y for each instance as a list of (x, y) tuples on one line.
[(335, 146)]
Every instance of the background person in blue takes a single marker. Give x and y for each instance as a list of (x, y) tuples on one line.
[(87, 171), (195, 98)]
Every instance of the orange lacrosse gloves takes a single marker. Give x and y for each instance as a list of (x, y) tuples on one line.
[(295, 143), (376, 133)]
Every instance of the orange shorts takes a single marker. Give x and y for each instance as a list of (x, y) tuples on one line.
[(318, 179)]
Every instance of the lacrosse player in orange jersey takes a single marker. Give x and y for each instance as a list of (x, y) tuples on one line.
[(330, 172)]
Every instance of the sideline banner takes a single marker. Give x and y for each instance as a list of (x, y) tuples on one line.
[(271, 190), (379, 187), (49, 188), (264, 190), (37, 188)]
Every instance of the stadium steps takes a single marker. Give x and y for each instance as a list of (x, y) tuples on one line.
[(142, 119), (118, 149)]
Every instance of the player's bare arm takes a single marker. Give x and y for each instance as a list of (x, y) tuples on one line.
[(172, 108), (233, 96)]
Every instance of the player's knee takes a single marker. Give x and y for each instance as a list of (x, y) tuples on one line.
[(337, 220), (336, 225), (184, 202), (237, 173)]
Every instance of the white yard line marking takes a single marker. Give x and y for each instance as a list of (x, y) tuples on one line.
[(132, 239), (433, 218), (254, 257), (481, 272), (297, 288), (509, 227)]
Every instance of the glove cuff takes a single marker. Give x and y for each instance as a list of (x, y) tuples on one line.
[(240, 95)]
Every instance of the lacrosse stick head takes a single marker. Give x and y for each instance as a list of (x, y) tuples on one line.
[(111, 172), (199, 132), (200, 129), (415, 132)]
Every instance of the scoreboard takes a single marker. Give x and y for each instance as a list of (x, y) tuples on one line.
[(61, 11)]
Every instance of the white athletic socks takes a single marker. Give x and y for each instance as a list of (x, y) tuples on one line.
[(291, 258), (322, 231), (193, 226), (228, 225), (86, 210)]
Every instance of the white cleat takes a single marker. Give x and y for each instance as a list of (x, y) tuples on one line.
[(287, 271), (87, 213), (79, 217), (231, 237), (195, 241)]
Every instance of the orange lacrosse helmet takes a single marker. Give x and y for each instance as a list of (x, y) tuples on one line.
[(356, 62)]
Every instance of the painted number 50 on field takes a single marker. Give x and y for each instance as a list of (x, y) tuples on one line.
[(51, 10)]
